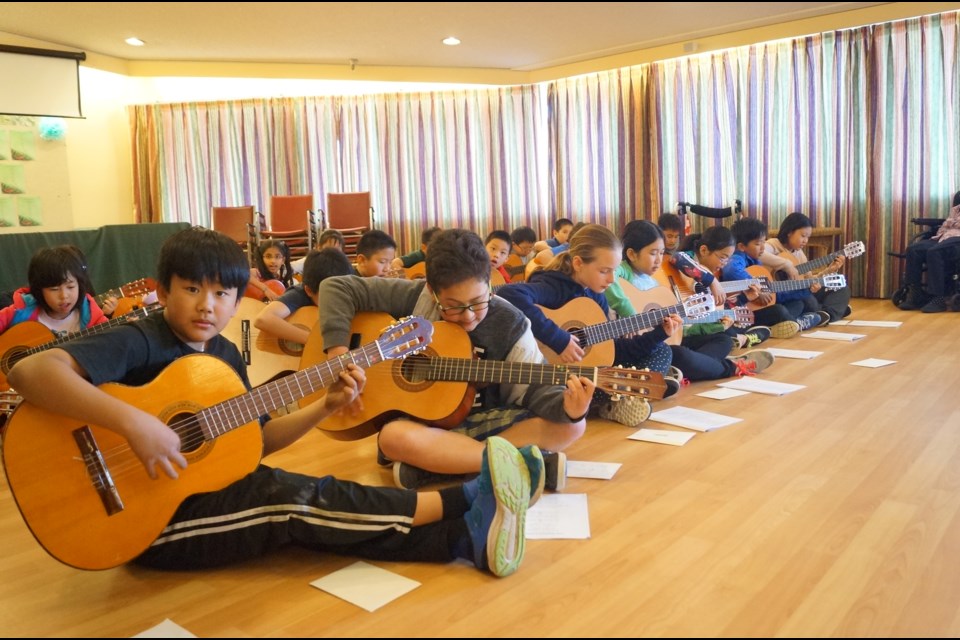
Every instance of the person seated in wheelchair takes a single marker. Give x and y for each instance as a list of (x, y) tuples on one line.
[(940, 255)]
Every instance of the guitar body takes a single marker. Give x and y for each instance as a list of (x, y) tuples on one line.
[(15, 341), (759, 271), (257, 294), (389, 391), (655, 298), (667, 275), (417, 271), (58, 498), (269, 355), (576, 314), (496, 278), (515, 267)]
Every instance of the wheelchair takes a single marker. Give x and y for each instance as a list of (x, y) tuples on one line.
[(927, 228)]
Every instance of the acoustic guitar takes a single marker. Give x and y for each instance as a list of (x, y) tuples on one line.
[(26, 338), (850, 250), (84, 494), (255, 292), (597, 338), (417, 271), (265, 354), (515, 268), (129, 296), (661, 297), (436, 386), (768, 284)]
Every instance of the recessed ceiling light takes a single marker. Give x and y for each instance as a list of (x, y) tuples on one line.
[(135, 42), (451, 41)]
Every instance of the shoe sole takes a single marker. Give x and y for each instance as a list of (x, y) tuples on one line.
[(783, 330), (561, 471), (533, 457), (511, 489)]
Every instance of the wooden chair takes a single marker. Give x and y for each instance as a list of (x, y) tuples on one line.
[(351, 214), (237, 223), (291, 220)]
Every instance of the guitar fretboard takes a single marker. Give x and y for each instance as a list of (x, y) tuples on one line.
[(235, 412), (472, 370), (596, 333), (767, 285)]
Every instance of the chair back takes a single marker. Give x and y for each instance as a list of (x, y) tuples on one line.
[(349, 211), (233, 222), (290, 213)]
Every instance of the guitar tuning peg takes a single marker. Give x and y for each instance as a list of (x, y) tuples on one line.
[(615, 397)]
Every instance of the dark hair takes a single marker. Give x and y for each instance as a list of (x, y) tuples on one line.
[(584, 244), (499, 234), (523, 234), (286, 269), (714, 239), (669, 222), (561, 223), (455, 256), (203, 255), (328, 234), (746, 230), (322, 264), (374, 241), (638, 234), (791, 223), (51, 266), (427, 235)]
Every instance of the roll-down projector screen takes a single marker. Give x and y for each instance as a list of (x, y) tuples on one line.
[(40, 82)]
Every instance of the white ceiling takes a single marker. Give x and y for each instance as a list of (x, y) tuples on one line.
[(521, 36)]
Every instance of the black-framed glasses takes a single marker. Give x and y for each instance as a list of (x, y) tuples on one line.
[(457, 310)]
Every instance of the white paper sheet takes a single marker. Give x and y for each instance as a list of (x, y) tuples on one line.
[(166, 629), (891, 324), (365, 585), (595, 470), (722, 394), (833, 335), (692, 418), (873, 363), (796, 354), (663, 436), (756, 385), (559, 516)]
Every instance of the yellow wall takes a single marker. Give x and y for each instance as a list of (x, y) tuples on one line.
[(99, 147)]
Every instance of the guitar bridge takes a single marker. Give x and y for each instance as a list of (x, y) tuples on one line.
[(97, 470)]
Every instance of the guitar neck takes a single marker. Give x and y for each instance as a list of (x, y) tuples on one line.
[(713, 316), (236, 412), (769, 286), (779, 286), (89, 331), (473, 371), (596, 333), (816, 263)]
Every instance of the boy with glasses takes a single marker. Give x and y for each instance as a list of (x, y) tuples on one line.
[(457, 290)]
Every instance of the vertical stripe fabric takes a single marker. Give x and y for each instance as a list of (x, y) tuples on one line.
[(858, 129)]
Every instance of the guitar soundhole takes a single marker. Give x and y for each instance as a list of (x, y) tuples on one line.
[(188, 428), (291, 348), (12, 357), (410, 374)]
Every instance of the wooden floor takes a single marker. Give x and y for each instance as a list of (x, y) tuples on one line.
[(832, 511)]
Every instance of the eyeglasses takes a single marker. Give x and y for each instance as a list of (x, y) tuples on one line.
[(457, 310)]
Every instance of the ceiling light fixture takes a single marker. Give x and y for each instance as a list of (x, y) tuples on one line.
[(135, 42), (451, 41)]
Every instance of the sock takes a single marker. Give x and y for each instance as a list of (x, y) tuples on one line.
[(455, 502)]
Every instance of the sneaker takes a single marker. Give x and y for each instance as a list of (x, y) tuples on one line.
[(824, 318), (785, 329), (936, 305), (382, 460), (533, 456), (407, 476), (554, 470), (674, 379), (916, 298), (756, 335), (847, 311), (497, 518), (808, 321), (628, 410), (752, 362)]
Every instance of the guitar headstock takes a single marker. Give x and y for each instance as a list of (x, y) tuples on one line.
[(405, 337), (834, 281), (138, 288), (743, 317), (699, 304), (853, 249), (620, 381)]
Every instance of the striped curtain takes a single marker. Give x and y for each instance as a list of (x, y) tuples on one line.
[(601, 164), (914, 124)]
